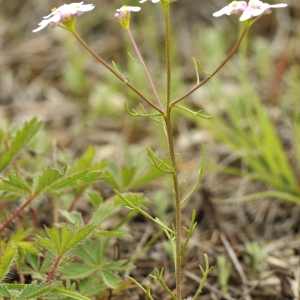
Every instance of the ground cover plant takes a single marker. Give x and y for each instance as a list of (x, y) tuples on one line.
[(72, 256)]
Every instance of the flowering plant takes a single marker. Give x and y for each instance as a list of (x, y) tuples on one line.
[(254, 8), (63, 239)]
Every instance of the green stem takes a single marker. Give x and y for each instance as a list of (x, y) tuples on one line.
[(233, 50), (169, 133), (168, 53), (111, 69), (136, 49), (177, 204)]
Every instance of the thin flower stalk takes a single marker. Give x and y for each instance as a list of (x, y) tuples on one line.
[(145, 67), (233, 50), (104, 63)]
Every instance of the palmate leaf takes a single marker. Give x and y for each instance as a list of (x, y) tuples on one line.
[(7, 257), (110, 279), (78, 271), (15, 184), (4, 291), (90, 287), (74, 217), (105, 210), (62, 240), (120, 265), (47, 178), (22, 137), (35, 290), (90, 252), (20, 235), (52, 180), (37, 266), (86, 160)]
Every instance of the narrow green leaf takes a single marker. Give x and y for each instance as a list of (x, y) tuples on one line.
[(70, 294), (119, 265), (47, 244), (7, 257), (93, 177), (28, 246), (66, 236), (19, 236), (22, 137), (69, 181), (47, 178), (54, 236), (4, 291), (115, 233), (33, 260), (110, 279), (15, 184)]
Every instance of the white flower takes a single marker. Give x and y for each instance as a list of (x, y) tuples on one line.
[(256, 8), (153, 1), (123, 15), (64, 14), (129, 8), (235, 7)]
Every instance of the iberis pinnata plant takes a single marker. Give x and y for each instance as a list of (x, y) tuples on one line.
[(254, 8), (65, 17)]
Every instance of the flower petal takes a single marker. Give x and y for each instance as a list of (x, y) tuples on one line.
[(42, 25)]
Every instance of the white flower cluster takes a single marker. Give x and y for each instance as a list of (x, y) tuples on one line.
[(64, 13), (254, 8)]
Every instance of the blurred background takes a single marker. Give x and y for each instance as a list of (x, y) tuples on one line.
[(252, 144)]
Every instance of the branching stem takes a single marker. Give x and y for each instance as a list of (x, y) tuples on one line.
[(233, 50), (136, 49), (111, 69)]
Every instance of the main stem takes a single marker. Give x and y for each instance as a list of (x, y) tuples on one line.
[(169, 133)]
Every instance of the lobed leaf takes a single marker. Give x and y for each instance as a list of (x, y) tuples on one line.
[(60, 241), (47, 178), (4, 291), (7, 257), (110, 279), (77, 271), (105, 210), (80, 234), (15, 184), (22, 137), (34, 290), (90, 251)]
